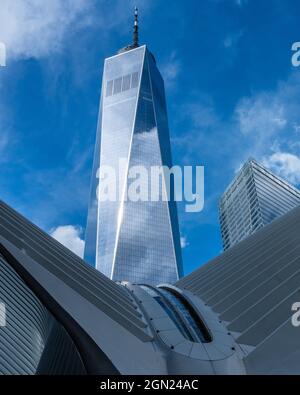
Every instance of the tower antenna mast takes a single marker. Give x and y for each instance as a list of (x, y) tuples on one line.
[(136, 28)]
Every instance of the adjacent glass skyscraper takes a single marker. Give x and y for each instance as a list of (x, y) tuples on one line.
[(254, 199), (126, 240)]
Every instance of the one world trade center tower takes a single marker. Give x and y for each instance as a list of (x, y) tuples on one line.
[(136, 241)]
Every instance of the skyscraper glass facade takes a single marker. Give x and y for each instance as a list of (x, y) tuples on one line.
[(254, 199), (136, 241)]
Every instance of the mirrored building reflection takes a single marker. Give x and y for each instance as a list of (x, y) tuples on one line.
[(255, 198), (136, 241)]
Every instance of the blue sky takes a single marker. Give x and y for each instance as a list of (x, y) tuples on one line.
[(231, 88)]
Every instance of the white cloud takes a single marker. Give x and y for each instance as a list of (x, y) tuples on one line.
[(269, 117), (183, 242), (69, 236), (35, 28), (286, 165), (262, 124), (263, 113), (40, 28)]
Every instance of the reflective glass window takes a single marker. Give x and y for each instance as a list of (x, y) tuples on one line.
[(126, 83), (135, 80), (117, 85), (109, 88)]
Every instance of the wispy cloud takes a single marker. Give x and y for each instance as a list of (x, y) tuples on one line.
[(37, 29), (34, 28), (41, 30), (231, 40), (170, 70), (7, 136), (262, 114), (269, 121), (57, 193), (241, 3), (263, 125), (4, 147), (4, 138)]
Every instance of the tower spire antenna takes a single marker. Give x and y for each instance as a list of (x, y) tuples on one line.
[(136, 28)]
